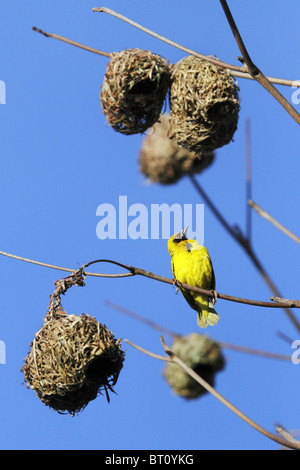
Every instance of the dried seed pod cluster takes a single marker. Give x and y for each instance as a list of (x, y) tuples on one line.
[(161, 160), (202, 355), (134, 90), (72, 359), (204, 105)]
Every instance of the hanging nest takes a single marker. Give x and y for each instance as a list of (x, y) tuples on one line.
[(202, 355), (204, 105), (163, 161), (72, 359), (134, 90)]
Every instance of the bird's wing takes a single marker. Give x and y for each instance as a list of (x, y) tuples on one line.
[(213, 281), (186, 294), (189, 298)]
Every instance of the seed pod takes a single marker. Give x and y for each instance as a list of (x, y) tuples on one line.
[(202, 355), (72, 359), (134, 90), (161, 160), (204, 105)]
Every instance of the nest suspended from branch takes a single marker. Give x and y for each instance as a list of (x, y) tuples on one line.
[(202, 355), (134, 90), (72, 359), (161, 160), (204, 105)]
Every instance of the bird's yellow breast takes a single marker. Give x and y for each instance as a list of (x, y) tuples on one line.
[(191, 264)]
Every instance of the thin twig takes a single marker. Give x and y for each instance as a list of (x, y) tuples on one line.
[(135, 271), (176, 360), (151, 354), (284, 337), (60, 268), (140, 318), (255, 352), (248, 179), (283, 301), (244, 243), (284, 433), (237, 70), (172, 334), (271, 219), (254, 71), (142, 272), (69, 41)]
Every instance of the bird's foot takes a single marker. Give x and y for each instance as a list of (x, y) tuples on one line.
[(214, 297), (175, 284)]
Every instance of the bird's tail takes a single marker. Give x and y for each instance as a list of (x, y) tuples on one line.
[(207, 316)]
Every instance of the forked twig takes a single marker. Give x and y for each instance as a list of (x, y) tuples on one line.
[(175, 359)]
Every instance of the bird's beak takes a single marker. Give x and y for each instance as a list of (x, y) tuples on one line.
[(182, 235)]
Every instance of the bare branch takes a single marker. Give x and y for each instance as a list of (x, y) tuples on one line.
[(224, 345), (69, 41), (284, 433), (148, 353), (254, 70), (248, 179), (244, 243), (134, 271), (141, 319), (290, 302), (236, 70), (176, 360), (271, 219), (60, 268)]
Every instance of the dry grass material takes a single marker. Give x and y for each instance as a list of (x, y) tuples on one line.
[(72, 359), (202, 355), (162, 161), (204, 105), (134, 90)]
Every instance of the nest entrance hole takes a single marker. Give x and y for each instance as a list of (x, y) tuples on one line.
[(143, 87), (220, 110), (98, 368)]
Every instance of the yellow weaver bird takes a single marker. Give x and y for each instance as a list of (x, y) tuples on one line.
[(191, 264)]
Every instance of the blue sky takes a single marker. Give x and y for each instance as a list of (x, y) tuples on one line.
[(60, 161)]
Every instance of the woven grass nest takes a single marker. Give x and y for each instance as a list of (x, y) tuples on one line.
[(162, 161), (134, 90), (72, 359), (201, 354), (204, 105)]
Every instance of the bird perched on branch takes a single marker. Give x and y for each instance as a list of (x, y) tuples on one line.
[(191, 264)]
